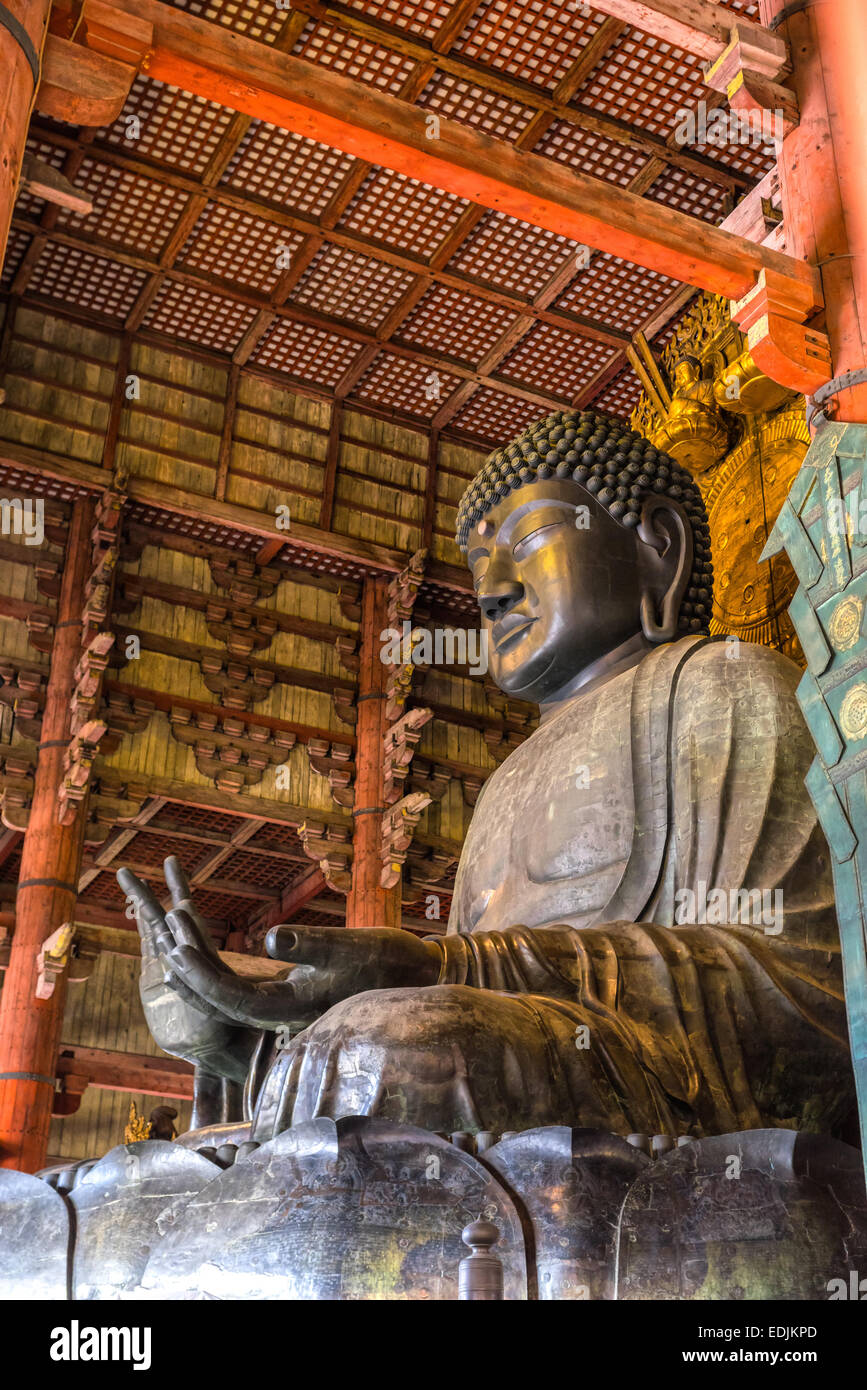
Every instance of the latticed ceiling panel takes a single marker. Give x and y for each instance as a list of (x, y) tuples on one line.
[(16, 248), (279, 837), (345, 284), (591, 153), (556, 361), (536, 41), (195, 316), (154, 849), (259, 869), (170, 126), (644, 81), (511, 255), (223, 905), (406, 385), (134, 213), (199, 529), (290, 170), (387, 225), (691, 194), (249, 17), (491, 414), (322, 563), (620, 397), (353, 56), (27, 483), (456, 99), (402, 212), (306, 352), (614, 292), (178, 815), (458, 324), (421, 17), (104, 889), (91, 282), (235, 246)]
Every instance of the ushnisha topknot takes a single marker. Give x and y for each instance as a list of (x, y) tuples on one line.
[(616, 466)]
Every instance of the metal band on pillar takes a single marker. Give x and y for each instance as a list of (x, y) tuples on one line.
[(23, 40)]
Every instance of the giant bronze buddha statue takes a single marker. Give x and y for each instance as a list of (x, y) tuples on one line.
[(642, 935)]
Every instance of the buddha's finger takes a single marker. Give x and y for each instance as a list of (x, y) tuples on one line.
[(187, 932), (182, 900), (270, 1005), (307, 945), (148, 913)]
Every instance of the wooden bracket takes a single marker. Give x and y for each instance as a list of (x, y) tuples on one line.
[(52, 958), (399, 743), (746, 71), (781, 345), (81, 87), (398, 825), (332, 854)]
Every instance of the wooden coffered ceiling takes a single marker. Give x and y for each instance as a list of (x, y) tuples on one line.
[(351, 282)]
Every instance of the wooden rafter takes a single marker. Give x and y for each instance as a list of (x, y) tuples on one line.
[(700, 27), (433, 272), (323, 106), (557, 105)]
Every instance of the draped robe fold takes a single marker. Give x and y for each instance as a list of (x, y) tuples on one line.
[(613, 1005)]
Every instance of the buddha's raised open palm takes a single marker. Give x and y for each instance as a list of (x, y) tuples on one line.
[(198, 1008)]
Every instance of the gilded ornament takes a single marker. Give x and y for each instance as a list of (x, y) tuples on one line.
[(693, 431), (742, 389)]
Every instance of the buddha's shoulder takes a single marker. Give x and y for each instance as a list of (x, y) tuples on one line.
[(727, 671)]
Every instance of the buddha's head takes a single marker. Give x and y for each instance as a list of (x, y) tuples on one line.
[(581, 536)]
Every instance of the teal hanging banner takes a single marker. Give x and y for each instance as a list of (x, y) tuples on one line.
[(823, 529)]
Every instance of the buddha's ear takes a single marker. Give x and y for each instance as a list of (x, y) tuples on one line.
[(666, 565)]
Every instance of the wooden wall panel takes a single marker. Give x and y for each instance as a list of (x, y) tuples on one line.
[(277, 455), (456, 468), (105, 1011), (59, 380)]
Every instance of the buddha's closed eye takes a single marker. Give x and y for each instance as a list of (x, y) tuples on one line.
[(534, 539)]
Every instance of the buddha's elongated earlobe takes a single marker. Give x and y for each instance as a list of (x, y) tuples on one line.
[(662, 593)]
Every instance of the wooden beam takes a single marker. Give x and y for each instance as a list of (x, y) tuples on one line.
[(42, 180), (126, 1071), (293, 899), (496, 80), (226, 436), (452, 26), (209, 61), (434, 271), (376, 558), (329, 480)]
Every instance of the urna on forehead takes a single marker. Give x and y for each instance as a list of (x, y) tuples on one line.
[(615, 465)]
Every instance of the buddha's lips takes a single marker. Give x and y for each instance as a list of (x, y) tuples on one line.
[(513, 625)]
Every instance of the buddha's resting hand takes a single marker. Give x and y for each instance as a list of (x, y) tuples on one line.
[(181, 1021), (330, 964)]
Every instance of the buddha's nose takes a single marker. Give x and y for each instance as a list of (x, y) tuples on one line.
[(498, 597)]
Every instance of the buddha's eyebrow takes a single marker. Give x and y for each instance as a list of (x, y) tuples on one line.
[(534, 505)]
